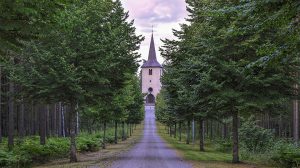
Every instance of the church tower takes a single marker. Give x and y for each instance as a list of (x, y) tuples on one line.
[(151, 72)]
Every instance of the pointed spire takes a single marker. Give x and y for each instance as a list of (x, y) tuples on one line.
[(152, 61), (152, 53)]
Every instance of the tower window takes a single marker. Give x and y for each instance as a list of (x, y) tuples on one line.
[(150, 71), (150, 81)]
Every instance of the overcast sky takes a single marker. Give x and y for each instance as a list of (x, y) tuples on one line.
[(164, 15)]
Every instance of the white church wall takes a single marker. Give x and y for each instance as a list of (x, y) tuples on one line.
[(152, 81)]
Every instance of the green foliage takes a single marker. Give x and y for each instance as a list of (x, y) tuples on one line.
[(110, 138), (288, 159), (32, 148), (81, 54), (279, 153), (161, 111), (10, 159), (232, 58), (30, 151), (24, 20), (223, 146), (88, 143), (58, 147), (253, 137)]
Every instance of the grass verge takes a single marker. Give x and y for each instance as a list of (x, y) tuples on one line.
[(208, 159)]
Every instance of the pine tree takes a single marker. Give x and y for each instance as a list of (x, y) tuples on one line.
[(88, 44)]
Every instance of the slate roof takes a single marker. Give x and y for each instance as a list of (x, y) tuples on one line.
[(152, 61)]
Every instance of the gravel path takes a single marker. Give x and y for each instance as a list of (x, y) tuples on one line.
[(151, 151)]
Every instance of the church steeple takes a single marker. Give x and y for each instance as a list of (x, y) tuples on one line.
[(152, 53), (152, 61), (151, 73)]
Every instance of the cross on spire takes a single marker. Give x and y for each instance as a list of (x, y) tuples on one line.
[(152, 29)]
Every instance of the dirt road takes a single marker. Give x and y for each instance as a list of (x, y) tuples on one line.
[(151, 151)]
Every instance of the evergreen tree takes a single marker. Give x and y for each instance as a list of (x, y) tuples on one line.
[(226, 62), (74, 63)]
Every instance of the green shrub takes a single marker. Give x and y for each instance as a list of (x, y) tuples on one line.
[(253, 137), (7, 159), (88, 144), (287, 159), (37, 152), (110, 139), (223, 146), (278, 153), (30, 151), (58, 147), (12, 159)]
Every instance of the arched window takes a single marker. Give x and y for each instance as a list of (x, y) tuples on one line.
[(150, 71)]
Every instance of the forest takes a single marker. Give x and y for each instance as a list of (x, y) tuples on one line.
[(232, 79), (68, 78)]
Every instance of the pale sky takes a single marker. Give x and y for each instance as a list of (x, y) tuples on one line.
[(164, 15)]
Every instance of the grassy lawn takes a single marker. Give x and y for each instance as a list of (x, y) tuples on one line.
[(208, 159)]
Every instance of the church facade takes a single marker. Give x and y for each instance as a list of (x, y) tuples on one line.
[(151, 72)]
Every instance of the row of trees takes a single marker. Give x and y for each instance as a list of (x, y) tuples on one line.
[(66, 60), (232, 58)]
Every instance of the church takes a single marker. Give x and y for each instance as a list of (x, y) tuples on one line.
[(151, 72)]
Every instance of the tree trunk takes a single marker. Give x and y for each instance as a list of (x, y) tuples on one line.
[(201, 134), (295, 121), (0, 104), (63, 120), (235, 138), (296, 116), (21, 121), (225, 131), (116, 131), (193, 131), (211, 130), (77, 120), (175, 130), (207, 130), (280, 127), (104, 135), (218, 130), (42, 112), (47, 118), (127, 130), (73, 157), (31, 117), (130, 130), (59, 122), (123, 131), (11, 117), (55, 120), (188, 132), (180, 131), (36, 126)]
